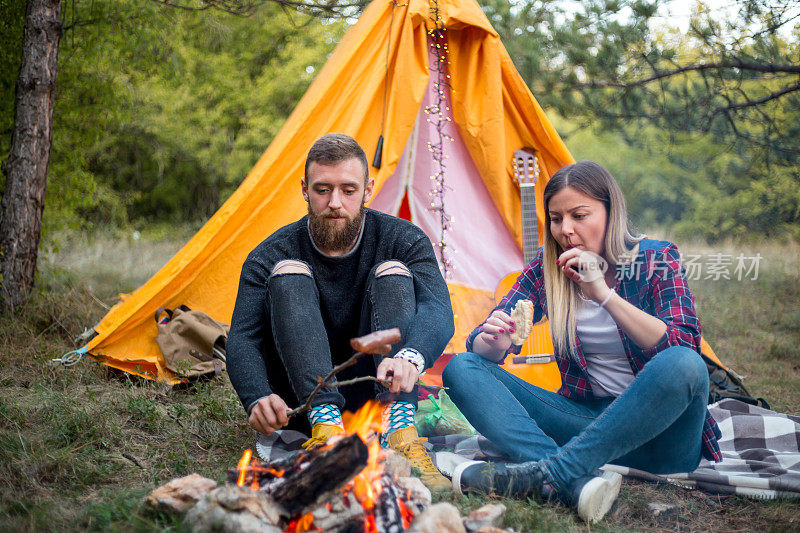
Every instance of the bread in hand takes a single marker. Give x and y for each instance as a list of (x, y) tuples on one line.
[(522, 315)]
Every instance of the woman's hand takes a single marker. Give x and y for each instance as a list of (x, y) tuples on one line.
[(588, 270), (494, 340)]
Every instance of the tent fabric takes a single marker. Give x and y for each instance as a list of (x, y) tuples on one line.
[(466, 195), (494, 113)]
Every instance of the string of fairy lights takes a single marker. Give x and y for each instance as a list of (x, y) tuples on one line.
[(439, 116)]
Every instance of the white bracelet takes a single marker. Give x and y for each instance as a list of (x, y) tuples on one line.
[(607, 298), (412, 356)]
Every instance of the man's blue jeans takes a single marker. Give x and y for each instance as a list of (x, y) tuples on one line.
[(655, 425)]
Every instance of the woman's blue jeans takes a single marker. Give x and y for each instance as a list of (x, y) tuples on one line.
[(655, 425)]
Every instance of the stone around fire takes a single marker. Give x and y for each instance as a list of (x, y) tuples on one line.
[(438, 518), (180, 494), (488, 515), (230, 509)]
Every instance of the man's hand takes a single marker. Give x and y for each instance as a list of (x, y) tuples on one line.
[(403, 374), (269, 414)]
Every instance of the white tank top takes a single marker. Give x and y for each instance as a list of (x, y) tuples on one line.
[(609, 370)]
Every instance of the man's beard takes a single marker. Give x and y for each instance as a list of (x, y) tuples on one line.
[(328, 236)]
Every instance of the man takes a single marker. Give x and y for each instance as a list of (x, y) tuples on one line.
[(340, 272)]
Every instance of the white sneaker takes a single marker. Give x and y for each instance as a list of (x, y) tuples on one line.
[(596, 497)]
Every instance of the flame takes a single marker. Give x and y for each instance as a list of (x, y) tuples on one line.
[(242, 466), (304, 523), (365, 421), (366, 486), (248, 463), (405, 512)]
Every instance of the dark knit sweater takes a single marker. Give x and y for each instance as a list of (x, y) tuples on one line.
[(252, 361)]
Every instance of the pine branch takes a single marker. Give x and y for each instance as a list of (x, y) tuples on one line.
[(719, 65), (247, 7), (772, 96)]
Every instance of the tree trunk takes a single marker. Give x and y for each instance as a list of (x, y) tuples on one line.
[(26, 166)]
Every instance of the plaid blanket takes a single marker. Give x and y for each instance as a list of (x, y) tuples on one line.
[(760, 453)]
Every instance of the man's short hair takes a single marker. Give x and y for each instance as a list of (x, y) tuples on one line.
[(334, 148)]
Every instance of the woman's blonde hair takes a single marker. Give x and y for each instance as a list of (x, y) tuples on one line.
[(621, 244)]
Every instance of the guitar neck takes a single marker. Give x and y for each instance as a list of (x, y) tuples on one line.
[(530, 227)]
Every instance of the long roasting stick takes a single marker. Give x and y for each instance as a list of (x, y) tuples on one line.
[(377, 342)]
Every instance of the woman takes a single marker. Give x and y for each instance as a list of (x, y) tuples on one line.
[(627, 341)]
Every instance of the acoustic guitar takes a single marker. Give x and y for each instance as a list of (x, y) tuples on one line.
[(535, 363)]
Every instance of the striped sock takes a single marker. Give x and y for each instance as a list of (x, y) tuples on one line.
[(327, 413), (397, 415)]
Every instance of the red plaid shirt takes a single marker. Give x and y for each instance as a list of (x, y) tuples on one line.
[(655, 283)]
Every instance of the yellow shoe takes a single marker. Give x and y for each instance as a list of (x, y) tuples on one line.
[(408, 443), (320, 434)]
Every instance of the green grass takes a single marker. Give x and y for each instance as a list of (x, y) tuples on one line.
[(754, 325), (80, 447)]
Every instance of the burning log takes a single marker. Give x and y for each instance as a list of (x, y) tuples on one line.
[(391, 514), (303, 479), (342, 515), (417, 494), (304, 486)]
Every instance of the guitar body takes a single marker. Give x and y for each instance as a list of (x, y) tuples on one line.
[(544, 375), (541, 374)]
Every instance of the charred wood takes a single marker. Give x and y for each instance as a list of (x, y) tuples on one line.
[(322, 472)]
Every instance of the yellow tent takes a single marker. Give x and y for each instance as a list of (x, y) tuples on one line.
[(452, 110)]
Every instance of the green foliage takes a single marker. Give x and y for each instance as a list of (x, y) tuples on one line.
[(691, 183), (162, 112), (696, 150)]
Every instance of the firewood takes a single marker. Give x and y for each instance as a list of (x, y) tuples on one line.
[(326, 470)]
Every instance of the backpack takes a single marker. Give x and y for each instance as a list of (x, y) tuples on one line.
[(192, 342), (723, 383)]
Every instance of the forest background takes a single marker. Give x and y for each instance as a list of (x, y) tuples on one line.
[(160, 112)]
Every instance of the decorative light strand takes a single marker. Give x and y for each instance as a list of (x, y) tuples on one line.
[(439, 117)]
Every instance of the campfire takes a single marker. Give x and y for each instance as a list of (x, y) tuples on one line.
[(351, 484), (342, 486)]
